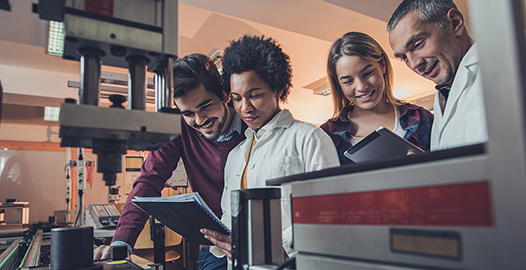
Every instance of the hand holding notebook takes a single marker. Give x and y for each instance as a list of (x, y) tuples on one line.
[(381, 144)]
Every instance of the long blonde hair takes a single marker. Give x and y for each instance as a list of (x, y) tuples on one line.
[(363, 45)]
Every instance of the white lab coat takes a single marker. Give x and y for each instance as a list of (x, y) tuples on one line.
[(464, 119), (284, 146)]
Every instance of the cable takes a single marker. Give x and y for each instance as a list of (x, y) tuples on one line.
[(66, 213), (67, 168), (79, 212), (81, 152), (288, 262)]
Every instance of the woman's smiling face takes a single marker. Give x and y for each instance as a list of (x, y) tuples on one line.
[(361, 80)]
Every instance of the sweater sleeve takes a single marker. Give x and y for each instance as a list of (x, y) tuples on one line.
[(157, 168)]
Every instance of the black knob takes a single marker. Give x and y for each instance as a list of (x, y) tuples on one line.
[(117, 101)]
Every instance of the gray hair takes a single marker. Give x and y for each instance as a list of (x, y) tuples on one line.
[(434, 11)]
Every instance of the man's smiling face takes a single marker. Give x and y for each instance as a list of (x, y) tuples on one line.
[(428, 50), (204, 111)]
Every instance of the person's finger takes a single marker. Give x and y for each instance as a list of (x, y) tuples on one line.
[(227, 253), (219, 243), (217, 235), (225, 247), (106, 254), (97, 254), (103, 252), (222, 241)]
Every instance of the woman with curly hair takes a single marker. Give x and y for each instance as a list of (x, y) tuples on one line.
[(258, 74), (361, 80)]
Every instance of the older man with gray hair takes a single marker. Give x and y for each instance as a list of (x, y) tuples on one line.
[(431, 38)]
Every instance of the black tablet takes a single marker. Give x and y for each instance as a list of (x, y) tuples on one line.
[(381, 144)]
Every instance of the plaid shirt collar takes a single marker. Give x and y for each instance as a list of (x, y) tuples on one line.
[(344, 125)]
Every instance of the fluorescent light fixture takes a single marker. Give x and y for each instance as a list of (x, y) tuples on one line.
[(319, 87), (51, 113), (325, 92), (55, 43), (400, 93)]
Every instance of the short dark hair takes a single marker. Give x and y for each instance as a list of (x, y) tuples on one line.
[(193, 70), (434, 11), (265, 57)]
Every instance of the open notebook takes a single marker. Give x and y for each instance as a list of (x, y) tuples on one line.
[(185, 214)]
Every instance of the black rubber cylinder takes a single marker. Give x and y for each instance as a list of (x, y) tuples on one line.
[(71, 248)]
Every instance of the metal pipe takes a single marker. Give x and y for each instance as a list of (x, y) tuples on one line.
[(90, 62), (168, 83), (158, 91), (164, 86), (136, 82), (160, 94)]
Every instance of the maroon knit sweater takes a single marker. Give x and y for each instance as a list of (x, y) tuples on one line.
[(205, 166)]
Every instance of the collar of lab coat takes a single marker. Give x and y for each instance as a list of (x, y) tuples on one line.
[(283, 119), (465, 76)]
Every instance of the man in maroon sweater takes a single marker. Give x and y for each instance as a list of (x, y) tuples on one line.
[(209, 131)]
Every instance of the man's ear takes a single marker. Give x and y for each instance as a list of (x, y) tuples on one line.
[(456, 20), (226, 98)]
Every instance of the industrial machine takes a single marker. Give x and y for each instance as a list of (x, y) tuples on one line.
[(461, 208), (139, 35), (256, 228), (62, 248), (17, 220), (103, 215), (135, 34)]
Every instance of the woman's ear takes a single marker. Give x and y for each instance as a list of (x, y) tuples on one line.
[(278, 94), (382, 64)]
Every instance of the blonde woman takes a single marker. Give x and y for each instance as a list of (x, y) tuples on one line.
[(361, 80)]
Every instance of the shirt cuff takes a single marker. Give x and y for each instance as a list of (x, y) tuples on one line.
[(216, 252), (287, 241), (121, 243)]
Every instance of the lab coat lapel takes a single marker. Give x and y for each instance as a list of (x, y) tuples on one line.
[(439, 117), (247, 143), (460, 84)]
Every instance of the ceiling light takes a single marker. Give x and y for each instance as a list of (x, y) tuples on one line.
[(325, 92), (319, 87), (55, 43), (51, 113)]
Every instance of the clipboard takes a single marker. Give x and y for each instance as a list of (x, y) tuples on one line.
[(381, 144)]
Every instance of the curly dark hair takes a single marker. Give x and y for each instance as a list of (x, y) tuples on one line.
[(265, 57), (196, 69)]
